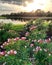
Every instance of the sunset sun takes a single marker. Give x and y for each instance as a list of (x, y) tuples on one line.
[(36, 4)]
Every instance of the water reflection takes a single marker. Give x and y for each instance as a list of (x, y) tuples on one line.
[(19, 21), (13, 21)]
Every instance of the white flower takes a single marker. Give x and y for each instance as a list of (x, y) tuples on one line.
[(25, 46), (33, 49), (49, 54), (1, 46), (40, 49), (8, 52)]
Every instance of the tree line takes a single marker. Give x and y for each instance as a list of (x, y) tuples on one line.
[(37, 13)]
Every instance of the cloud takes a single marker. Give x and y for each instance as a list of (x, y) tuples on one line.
[(14, 6), (9, 8), (18, 2)]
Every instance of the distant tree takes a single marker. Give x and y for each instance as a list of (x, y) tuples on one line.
[(48, 14), (39, 12)]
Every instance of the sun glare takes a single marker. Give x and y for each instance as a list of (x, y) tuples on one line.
[(36, 4)]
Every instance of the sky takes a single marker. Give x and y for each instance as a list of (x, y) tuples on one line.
[(14, 6)]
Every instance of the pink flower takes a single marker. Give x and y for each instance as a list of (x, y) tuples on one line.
[(31, 45), (48, 40), (2, 53), (15, 52), (6, 54), (40, 41), (5, 43), (17, 38), (27, 34), (8, 40), (38, 48), (23, 38), (11, 51)]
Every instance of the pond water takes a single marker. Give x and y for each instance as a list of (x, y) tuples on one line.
[(13, 21), (16, 21)]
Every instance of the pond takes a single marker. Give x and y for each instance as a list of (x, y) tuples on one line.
[(18, 21), (13, 21)]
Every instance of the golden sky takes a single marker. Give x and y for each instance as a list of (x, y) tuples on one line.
[(39, 4)]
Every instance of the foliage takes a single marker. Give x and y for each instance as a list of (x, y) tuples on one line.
[(21, 50), (9, 31)]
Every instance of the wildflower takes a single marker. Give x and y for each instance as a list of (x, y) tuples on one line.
[(11, 51), (25, 46), (33, 49), (15, 52), (5, 43), (23, 38), (40, 41), (31, 45), (35, 40), (27, 34), (8, 52), (17, 38), (8, 40), (38, 48), (48, 40), (1, 46), (49, 54), (2, 53)]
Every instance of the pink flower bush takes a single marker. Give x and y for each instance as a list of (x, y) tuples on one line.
[(12, 52)]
